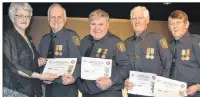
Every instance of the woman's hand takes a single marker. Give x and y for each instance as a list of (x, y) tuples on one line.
[(42, 61)]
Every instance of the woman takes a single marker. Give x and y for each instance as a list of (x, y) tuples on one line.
[(21, 60)]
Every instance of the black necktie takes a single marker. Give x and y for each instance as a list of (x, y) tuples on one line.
[(89, 49), (51, 50), (51, 54), (137, 60), (174, 56)]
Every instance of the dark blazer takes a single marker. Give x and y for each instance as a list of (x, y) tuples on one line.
[(17, 55)]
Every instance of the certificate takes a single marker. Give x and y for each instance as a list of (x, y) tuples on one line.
[(142, 83), (60, 66), (165, 87), (93, 68)]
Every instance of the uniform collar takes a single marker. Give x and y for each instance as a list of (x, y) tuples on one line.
[(102, 39), (142, 35), (57, 33), (183, 39)]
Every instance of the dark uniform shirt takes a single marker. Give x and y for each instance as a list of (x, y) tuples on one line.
[(153, 53), (149, 53), (187, 62), (20, 55), (111, 48), (67, 45)]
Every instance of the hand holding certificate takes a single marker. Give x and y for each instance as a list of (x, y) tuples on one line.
[(60, 66), (93, 68), (165, 87), (142, 83)]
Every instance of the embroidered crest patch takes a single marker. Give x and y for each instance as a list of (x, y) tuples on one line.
[(76, 40), (163, 43), (121, 46)]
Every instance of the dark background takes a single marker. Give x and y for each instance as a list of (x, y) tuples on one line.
[(158, 11)]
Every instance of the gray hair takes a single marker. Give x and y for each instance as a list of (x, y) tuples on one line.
[(142, 8), (15, 5), (98, 13), (53, 5)]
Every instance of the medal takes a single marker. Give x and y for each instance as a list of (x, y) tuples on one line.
[(183, 52), (152, 54), (187, 58), (152, 57), (57, 47), (183, 58), (98, 52), (60, 47), (60, 54), (59, 50), (56, 53), (152, 50), (147, 56), (183, 55), (187, 54), (148, 53), (104, 53)]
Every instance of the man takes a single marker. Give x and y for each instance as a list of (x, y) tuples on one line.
[(185, 49), (60, 43), (102, 44), (147, 51)]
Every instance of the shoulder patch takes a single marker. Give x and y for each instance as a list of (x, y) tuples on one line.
[(196, 39), (121, 46), (163, 43), (76, 40)]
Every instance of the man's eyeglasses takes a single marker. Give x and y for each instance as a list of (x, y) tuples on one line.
[(22, 16)]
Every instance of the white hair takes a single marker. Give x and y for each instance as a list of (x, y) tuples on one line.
[(53, 5), (140, 8), (16, 5)]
